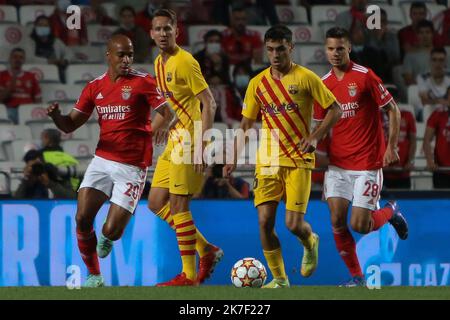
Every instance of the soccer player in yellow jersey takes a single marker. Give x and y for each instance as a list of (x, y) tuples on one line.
[(284, 95), (176, 176)]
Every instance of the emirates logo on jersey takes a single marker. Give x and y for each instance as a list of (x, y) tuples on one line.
[(352, 89), (293, 89), (126, 92)]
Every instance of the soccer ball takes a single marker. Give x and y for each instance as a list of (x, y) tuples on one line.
[(248, 272)]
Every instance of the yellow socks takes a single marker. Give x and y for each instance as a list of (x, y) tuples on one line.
[(275, 263), (187, 239), (201, 245)]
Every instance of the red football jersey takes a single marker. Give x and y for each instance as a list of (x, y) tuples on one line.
[(123, 115), (27, 88), (407, 127), (240, 48), (357, 141), (440, 122)]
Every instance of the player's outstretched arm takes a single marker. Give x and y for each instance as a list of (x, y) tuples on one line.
[(333, 115), (67, 123), (238, 145), (391, 155)]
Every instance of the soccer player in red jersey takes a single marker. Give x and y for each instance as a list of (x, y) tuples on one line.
[(123, 99), (357, 151)]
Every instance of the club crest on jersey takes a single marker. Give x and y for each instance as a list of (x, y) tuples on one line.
[(293, 89), (352, 89), (126, 92), (169, 76)]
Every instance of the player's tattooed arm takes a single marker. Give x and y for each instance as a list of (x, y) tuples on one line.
[(391, 155), (309, 144), (66, 123)]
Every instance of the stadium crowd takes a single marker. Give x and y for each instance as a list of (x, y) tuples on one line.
[(42, 61)]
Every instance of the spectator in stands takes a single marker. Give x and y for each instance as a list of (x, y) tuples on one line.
[(140, 39), (438, 126), (443, 28), (46, 47), (386, 42), (144, 19), (41, 180), (54, 154), (215, 186), (99, 14), (18, 86), (240, 43), (70, 37), (258, 11), (398, 176), (229, 103), (212, 59), (433, 85), (418, 61), (366, 55), (409, 36), (242, 73), (356, 14)]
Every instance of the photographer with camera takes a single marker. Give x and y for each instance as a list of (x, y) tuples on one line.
[(215, 186), (41, 180)]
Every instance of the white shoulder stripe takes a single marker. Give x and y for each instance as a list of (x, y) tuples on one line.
[(327, 75), (138, 73), (360, 66), (98, 78), (360, 70)]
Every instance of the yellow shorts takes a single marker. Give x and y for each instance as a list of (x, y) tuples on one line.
[(293, 185), (178, 178)]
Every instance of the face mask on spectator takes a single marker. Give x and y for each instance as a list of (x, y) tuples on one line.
[(213, 47), (241, 80), (42, 31), (63, 4)]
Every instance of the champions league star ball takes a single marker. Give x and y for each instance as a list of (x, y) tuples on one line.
[(248, 272)]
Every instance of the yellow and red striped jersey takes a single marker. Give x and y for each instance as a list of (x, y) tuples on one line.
[(180, 80), (286, 105)]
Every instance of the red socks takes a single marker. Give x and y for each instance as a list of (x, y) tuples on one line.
[(87, 243), (346, 247), (380, 217)]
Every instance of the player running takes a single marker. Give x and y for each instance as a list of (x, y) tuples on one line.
[(284, 94), (176, 177), (123, 99), (357, 151)]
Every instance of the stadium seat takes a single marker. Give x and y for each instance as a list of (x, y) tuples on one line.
[(146, 68), (32, 112), (420, 127), (292, 14), (394, 14), (4, 115), (99, 35), (17, 149), (45, 73), (433, 11), (29, 13), (14, 132), (80, 149), (61, 92), (110, 9), (307, 54), (86, 54), (11, 36), (7, 166), (82, 73), (82, 133), (94, 130), (307, 34), (196, 32), (8, 14), (406, 107), (325, 13)]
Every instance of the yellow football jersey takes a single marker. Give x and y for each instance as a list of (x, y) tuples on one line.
[(180, 80), (286, 106)]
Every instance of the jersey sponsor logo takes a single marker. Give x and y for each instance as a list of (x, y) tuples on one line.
[(352, 89), (126, 92), (169, 76), (110, 112), (99, 96), (274, 109), (293, 89), (349, 109)]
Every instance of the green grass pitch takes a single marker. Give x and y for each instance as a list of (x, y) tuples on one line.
[(224, 293)]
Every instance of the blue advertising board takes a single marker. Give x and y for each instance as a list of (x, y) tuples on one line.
[(38, 244)]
